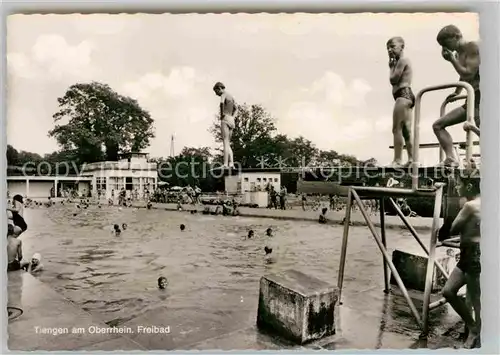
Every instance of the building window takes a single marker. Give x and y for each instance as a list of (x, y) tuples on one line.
[(275, 179), (258, 179), (245, 179), (149, 184), (128, 183), (136, 184), (264, 179), (100, 183), (116, 183)]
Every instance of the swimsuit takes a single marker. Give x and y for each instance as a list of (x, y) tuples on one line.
[(229, 121), (19, 221), (229, 109), (477, 101), (470, 258), (405, 93), (14, 266)]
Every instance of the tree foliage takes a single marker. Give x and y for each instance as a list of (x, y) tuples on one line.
[(95, 123), (190, 167)]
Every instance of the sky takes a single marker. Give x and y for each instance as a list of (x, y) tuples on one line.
[(321, 76)]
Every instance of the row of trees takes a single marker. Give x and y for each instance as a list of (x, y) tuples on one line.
[(95, 123)]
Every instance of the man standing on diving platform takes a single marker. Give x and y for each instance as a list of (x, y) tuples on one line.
[(465, 58)]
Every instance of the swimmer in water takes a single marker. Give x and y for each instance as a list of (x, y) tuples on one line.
[(467, 224), (34, 265), (117, 230), (162, 282), (269, 232), (250, 234), (124, 226), (182, 227)]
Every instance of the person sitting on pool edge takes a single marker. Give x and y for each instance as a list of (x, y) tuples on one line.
[(17, 215), (467, 224), (322, 216), (14, 250)]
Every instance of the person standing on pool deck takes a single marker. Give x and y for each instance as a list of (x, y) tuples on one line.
[(465, 58), (467, 224), (227, 112), (400, 78)]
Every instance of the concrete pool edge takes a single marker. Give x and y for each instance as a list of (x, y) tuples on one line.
[(334, 218), (44, 307), (45, 311)]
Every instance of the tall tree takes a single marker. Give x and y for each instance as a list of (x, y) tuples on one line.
[(12, 155), (302, 152), (95, 122), (190, 167)]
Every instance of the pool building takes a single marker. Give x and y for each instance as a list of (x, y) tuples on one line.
[(132, 172)]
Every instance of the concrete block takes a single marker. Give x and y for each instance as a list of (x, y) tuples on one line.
[(296, 306), (412, 269)]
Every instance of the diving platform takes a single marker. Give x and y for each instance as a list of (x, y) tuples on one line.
[(446, 203)]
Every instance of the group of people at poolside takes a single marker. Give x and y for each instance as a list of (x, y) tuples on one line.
[(465, 59)]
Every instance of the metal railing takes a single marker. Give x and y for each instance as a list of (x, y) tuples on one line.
[(416, 134), (442, 112)]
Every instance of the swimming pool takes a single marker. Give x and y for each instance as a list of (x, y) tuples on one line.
[(212, 270)]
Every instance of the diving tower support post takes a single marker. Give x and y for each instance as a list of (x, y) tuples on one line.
[(386, 193)]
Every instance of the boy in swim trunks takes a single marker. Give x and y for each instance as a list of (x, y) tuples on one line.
[(465, 58), (467, 224), (400, 78), (17, 211), (227, 112), (14, 250)]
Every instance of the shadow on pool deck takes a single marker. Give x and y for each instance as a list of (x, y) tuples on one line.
[(334, 217), (192, 329)]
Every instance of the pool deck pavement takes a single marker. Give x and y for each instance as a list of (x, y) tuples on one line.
[(423, 224), (45, 308)]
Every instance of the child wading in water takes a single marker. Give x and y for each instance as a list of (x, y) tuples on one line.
[(400, 79)]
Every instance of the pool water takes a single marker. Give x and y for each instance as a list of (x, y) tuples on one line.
[(210, 266)]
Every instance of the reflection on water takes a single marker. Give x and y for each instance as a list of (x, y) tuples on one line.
[(210, 266)]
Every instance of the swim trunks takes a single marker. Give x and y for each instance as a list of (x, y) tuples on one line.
[(470, 258), (14, 266), (229, 121), (405, 93), (477, 101), (19, 221)]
